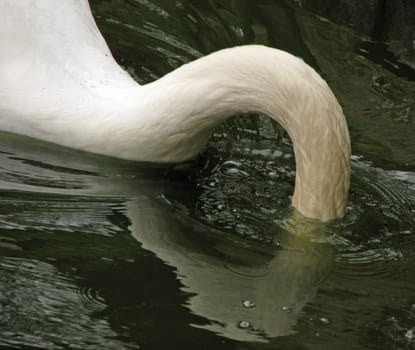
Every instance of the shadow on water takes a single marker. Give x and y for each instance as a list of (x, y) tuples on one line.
[(100, 253)]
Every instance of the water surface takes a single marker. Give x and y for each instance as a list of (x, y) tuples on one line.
[(99, 253)]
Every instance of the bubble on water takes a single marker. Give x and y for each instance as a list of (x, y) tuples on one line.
[(248, 304), (286, 309), (244, 325), (324, 320)]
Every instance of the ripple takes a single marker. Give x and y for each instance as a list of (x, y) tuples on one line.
[(53, 167), (378, 262), (40, 309), (379, 219), (41, 212), (389, 192), (91, 298), (8, 243), (249, 273), (395, 330), (24, 171), (246, 194)]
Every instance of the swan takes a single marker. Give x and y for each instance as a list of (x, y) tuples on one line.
[(60, 83)]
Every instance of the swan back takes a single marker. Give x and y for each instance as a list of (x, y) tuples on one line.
[(54, 52)]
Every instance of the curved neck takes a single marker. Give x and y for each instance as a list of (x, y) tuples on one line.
[(188, 103)]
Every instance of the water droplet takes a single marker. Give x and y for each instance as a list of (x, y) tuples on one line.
[(286, 309), (248, 304), (410, 335), (392, 319), (244, 325), (232, 169), (273, 175), (324, 320)]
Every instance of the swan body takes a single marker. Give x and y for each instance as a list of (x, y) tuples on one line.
[(60, 83)]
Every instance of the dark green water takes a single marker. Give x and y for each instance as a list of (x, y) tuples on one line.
[(97, 253)]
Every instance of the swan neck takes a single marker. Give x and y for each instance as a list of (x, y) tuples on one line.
[(258, 79)]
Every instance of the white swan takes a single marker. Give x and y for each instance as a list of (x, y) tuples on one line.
[(60, 83)]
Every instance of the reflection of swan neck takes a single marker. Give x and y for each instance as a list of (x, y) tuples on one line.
[(189, 102)]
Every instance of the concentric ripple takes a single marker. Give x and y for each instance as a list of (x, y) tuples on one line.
[(363, 262), (91, 298)]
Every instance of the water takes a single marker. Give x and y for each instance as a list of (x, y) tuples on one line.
[(98, 253)]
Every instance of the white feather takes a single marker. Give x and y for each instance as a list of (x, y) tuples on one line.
[(60, 83)]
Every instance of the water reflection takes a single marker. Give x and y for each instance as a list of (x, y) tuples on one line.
[(40, 307), (100, 253), (242, 291), (245, 294), (74, 246)]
